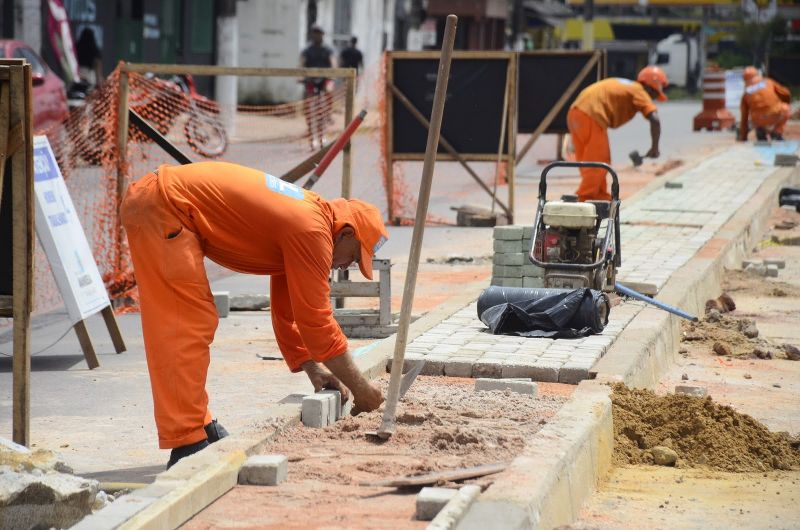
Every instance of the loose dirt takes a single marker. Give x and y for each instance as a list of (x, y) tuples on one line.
[(731, 336), (442, 424), (702, 432)]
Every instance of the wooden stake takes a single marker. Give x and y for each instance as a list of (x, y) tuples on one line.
[(550, 116), (388, 425)]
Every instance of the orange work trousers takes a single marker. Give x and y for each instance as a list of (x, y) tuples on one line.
[(771, 121), (179, 317), (591, 145)]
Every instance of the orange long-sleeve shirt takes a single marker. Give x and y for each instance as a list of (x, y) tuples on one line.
[(614, 102), (764, 98), (253, 222)]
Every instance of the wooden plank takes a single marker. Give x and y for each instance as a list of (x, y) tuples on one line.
[(512, 141), (468, 157), (113, 329), (470, 54), (555, 109), (452, 475), (213, 70), (349, 102), (122, 156), (388, 422), (448, 146), (5, 125), (357, 289), (503, 124), (86, 344), (388, 147), (306, 166), (385, 296), (22, 252), (3, 74)]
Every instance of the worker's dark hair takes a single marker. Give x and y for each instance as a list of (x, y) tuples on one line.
[(353, 40)]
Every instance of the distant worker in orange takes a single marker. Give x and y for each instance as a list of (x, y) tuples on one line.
[(251, 222), (606, 104), (766, 103)]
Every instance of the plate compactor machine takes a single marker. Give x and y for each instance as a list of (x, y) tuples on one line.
[(577, 243)]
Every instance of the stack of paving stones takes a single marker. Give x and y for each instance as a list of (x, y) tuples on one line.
[(511, 265)]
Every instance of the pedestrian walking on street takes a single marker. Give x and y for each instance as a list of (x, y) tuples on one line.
[(766, 103), (351, 57), (317, 98), (611, 103), (250, 222)]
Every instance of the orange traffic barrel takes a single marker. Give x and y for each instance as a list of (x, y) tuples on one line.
[(714, 116)]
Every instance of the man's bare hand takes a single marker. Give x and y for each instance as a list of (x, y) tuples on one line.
[(367, 400), (323, 379)]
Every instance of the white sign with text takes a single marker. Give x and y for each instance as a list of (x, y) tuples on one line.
[(62, 237)]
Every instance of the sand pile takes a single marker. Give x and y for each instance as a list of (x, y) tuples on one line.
[(701, 432)]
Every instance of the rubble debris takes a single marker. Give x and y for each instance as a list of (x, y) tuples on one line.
[(721, 349), (664, 456), (691, 390), (792, 352)]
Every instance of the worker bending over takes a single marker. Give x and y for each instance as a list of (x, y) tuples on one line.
[(251, 222), (612, 103), (766, 103)]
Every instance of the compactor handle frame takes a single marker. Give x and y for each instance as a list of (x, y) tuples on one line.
[(613, 219)]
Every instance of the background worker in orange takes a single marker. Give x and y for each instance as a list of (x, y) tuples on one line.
[(251, 222), (612, 103), (766, 102)]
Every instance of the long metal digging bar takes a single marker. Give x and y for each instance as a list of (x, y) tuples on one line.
[(388, 425)]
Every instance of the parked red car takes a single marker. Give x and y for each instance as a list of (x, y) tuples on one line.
[(49, 95)]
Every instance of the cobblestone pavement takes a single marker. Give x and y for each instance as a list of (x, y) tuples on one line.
[(660, 233)]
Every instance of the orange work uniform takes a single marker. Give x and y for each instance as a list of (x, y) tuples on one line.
[(607, 103), (767, 104), (248, 221)]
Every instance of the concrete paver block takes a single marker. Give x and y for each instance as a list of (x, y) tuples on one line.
[(788, 160), (572, 374), (264, 470), (781, 264), (507, 247), (336, 404), (673, 185), (511, 282), (533, 271), (249, 302), (546, 372), (430, 501), (515, 258), (532, 282), (510, 232), (316, 410), (747, 262), (520, 387), (772, 271), (491, 370), (458, 369), (433, 367), (691, 390), (223, 302)]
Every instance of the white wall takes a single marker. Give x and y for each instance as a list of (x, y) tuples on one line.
[(272, 34)]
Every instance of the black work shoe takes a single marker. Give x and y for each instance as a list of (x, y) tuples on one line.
[(185, 450), (761, 135), (215, 431), (777, 136)]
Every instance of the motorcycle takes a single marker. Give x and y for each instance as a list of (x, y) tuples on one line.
[(163, 101)]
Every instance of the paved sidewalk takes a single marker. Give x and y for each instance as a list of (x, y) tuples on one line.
[(660, 232)]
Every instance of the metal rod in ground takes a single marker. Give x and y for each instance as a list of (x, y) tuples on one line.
[(388, 425), (661, 305), (334, 150)]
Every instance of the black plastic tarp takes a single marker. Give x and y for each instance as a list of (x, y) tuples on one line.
[(553, 313)]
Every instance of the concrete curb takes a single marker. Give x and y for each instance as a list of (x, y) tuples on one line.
[(198, 480), (646, 347), (546, 485)]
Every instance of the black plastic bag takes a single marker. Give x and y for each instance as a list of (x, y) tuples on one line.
[(552, 313)]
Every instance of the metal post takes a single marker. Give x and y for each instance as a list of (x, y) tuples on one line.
[(349, 102)]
